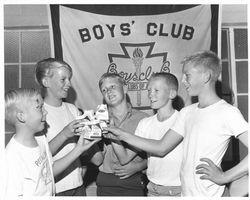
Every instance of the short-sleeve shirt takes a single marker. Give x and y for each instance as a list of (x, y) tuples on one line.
[(206, 133), (57, 118), (161, 170), (28, 171)]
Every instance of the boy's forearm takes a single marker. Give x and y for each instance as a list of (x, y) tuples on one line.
[(61, 164), (139, 142), (237, 171), (241, 168), (57, 142), (97, 158), (157, 147), (122, 153), (141, 165)]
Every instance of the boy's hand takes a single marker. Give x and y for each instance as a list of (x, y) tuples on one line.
[(110, 136), (115, 131), (125, 171), (85, 144), (211, 172), (72, 128)]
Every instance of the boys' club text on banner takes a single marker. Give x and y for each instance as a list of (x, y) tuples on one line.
[(133, 45)]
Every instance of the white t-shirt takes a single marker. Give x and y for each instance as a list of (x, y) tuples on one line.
[(28, 171), (161, 170), (57, 118), (206, 133)]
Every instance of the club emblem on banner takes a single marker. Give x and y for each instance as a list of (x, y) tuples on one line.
[(136, 64), (137, 60)]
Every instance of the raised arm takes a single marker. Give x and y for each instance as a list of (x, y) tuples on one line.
[(67, 132), (82, 145), (157, 147)]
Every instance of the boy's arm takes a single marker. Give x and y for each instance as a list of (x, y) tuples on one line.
[(157, 147), (126, 156), (82, 145), (96, 156), (123, 154), (213, 173), (68, 131), (97, 159), (131, 168)]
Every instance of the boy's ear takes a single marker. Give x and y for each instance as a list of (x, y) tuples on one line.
[(172, 94), (207, 76), (20, 116), (45, 82)]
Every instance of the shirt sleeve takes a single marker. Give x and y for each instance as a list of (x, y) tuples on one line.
[(236, 122), (139, 129), (179, 125), (73, 109)]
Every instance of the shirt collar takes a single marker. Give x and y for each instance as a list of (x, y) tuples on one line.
[(126, 115)]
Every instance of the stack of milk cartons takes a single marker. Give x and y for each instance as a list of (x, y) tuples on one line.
[(93, 122)]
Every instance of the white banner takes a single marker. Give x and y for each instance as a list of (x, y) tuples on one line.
[(133, 46)]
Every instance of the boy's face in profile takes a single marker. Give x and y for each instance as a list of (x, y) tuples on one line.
[(158, 93), (192, 79), (35, 114)]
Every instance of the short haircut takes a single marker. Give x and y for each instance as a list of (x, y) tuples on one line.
[(15, 99), (206, 59), (44, 68), (111, 75), (170, 79)]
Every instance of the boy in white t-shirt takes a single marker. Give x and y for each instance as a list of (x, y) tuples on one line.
[(54, 77), (162, 172), (28, 165), (205, 128)]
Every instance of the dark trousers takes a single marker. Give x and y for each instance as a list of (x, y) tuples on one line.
[(111, 185), (80, 191)]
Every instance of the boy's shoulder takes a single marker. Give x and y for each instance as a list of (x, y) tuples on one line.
[(189, 107), (10, 144), (14, 143), (148, 118), (227, 109), (13, 149), (73, 109), (70, 105), (12, 153), (221, 106), (139, 113), (152, 119)]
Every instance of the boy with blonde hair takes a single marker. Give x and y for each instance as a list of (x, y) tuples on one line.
[(29, 168)]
